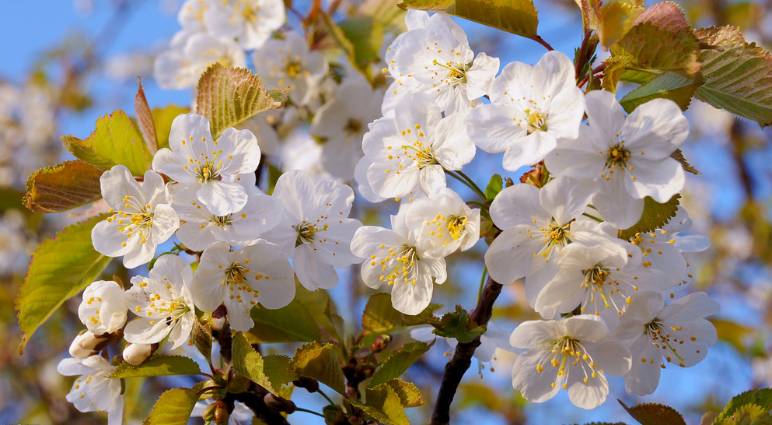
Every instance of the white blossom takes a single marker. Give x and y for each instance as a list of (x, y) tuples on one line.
[(315, 230), (141, 216), (103, 307), (677, 333), (536, 225), (433, 57), (199, 228), (625, 158), (532, 109), (94, 390), (392, 257), (444, 223), (249, 22), (189, 55), (241, 279), (191, 15), (601, 276), (413, 148), (574, 354), (163, 304), (209, 168), (288, 64), (342, 122)]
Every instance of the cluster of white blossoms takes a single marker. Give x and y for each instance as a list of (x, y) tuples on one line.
[(252, 247), (609, 305), (602, 298)]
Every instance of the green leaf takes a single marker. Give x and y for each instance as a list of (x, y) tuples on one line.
[(515, 16), (249, 363), (761, 397), (733, 333), (655, 215), (654, 414), (669, 85), (202, 339), (230, 96), (62, 187), (60, 268), (10, 199), (738, 75), (749, 414), (173, 407), (408, 392), (366, 37), (384, 404), (116, 140), (278, 369), (158, 365), (458, 325), (613, 19), (311, 316), (380, 317), (652, 49), (678, 155), (321, 362), (162, 121), (399, 361), (495, 184)]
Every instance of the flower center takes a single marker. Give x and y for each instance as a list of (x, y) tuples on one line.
[(618, 156), (249, 13), (353, 126), (306, 232), (207, 172), (456, 72), (596, 276), (293, 68), (567, 354), (236, 274), (555, 235), (456, 226), (658, 335), (399, 264), (222, 221), (537, 121)]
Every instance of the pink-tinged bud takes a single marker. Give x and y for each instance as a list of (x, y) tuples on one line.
[(135, 354), (86, 344), (217, 322)]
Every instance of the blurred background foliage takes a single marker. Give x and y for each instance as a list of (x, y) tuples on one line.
[(67, 62)]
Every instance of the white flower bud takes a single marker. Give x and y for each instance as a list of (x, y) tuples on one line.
[(85, 344), (217, 323), (136, 354)]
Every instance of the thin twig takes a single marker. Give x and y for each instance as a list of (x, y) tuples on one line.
[(462, 357), (537, 38)]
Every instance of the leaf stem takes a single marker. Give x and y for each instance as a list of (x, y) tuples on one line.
[(537, 38), (329, 400), (467, 181), (300, 409)]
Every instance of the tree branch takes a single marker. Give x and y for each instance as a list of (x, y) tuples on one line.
[(462, 357)]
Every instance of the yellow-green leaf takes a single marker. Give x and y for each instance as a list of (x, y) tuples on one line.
[(654, 216), (116, 140), (515, 16), (249, 363), (173, 407), (384, 404), (409, 394), (162, 121), (62, 187), (380, 317), (738, 75), (278, 369), (230, 96), (321, 362), (158, 365), (398, 362), (60, 268), (761, 397), (614, 18), (733, 333)]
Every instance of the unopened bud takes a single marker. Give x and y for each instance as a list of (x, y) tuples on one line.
[(312, 385), (220, 413), (135, 354), (218, 318), (86, 344)]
